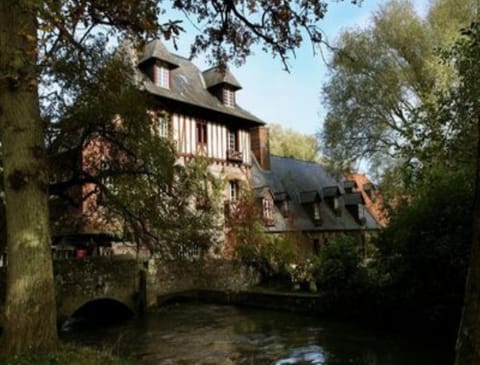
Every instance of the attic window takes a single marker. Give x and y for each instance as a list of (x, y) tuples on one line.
[(316, 211), (361, 214), (284, 208), (267, 211), (162, 76), (228, 97)]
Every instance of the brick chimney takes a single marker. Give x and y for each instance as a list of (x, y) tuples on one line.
[(261, 146)]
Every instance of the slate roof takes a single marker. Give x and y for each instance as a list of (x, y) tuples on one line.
[(331, 191), (303, 181), (353, 198), (189, 87), (217, 76), (349, 184), (157, 50)]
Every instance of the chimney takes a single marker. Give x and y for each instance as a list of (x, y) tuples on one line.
[(261, 146)]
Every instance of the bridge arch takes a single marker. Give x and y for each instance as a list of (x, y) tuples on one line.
[(104, 310)]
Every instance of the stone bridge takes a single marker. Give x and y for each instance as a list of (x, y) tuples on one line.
[(122, 281), (79, 282)]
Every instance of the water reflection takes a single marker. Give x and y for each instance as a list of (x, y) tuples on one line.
[(210, 334)]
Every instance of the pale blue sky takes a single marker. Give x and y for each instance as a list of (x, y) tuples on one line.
[(291, 99)]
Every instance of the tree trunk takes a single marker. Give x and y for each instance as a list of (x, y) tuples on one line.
[(30, 315), (468, 339)]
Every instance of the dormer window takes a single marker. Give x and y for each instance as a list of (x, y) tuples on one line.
[(267, 211), (316, 211), (162, 75), (281, 199), (361, 214), (222, 84), (284, 208), (228, 97)]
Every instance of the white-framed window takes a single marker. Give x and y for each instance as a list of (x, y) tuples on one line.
[(232, 140), (228, 97), (162, 76), (361, 212), (233, 191), (267, 208), (163, 126)]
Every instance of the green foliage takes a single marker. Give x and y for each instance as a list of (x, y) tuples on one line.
[(289, 143), (425, 249), (278, 257), (339, 266), (387, 83)]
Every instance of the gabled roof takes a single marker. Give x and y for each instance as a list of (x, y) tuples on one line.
[(188, 88), (353, 198), (304, 182), (307, 197), (217, 76), (157, 50), (263, 192), (349, 184), (281, 196), (331, 191)]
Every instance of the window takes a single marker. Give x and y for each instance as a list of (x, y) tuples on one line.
[(163, 126), (361, 213), (233, 153), (284, 208), (202, 133), (232, 140), (267, 208), (233, 193), (228, 97), (162, 76), (316, 211), (336, 207)]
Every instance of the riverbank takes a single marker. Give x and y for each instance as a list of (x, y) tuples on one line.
[(317, 304), (69, 354), (299, 302)]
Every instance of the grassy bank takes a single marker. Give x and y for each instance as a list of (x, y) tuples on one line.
[(69, 355)]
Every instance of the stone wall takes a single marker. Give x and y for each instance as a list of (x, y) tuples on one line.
[(166, 278), (121, 278), (78, 281)]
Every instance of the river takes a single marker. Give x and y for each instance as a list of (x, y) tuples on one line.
[(195, 333)]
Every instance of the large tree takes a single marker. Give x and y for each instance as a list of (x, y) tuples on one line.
[(386, 82), (290, 143), (38, 41), (465, 104)]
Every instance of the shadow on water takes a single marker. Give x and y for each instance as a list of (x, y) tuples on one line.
[(97, 313), (194, 333)]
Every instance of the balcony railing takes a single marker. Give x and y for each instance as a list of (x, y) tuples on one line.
[(235, 156)]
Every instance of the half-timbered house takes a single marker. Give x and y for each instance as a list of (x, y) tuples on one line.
[(198, 112)]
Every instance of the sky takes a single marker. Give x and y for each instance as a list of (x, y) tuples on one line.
[(292, 99)]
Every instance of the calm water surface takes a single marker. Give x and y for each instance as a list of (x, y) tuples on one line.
[(194, 333)]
